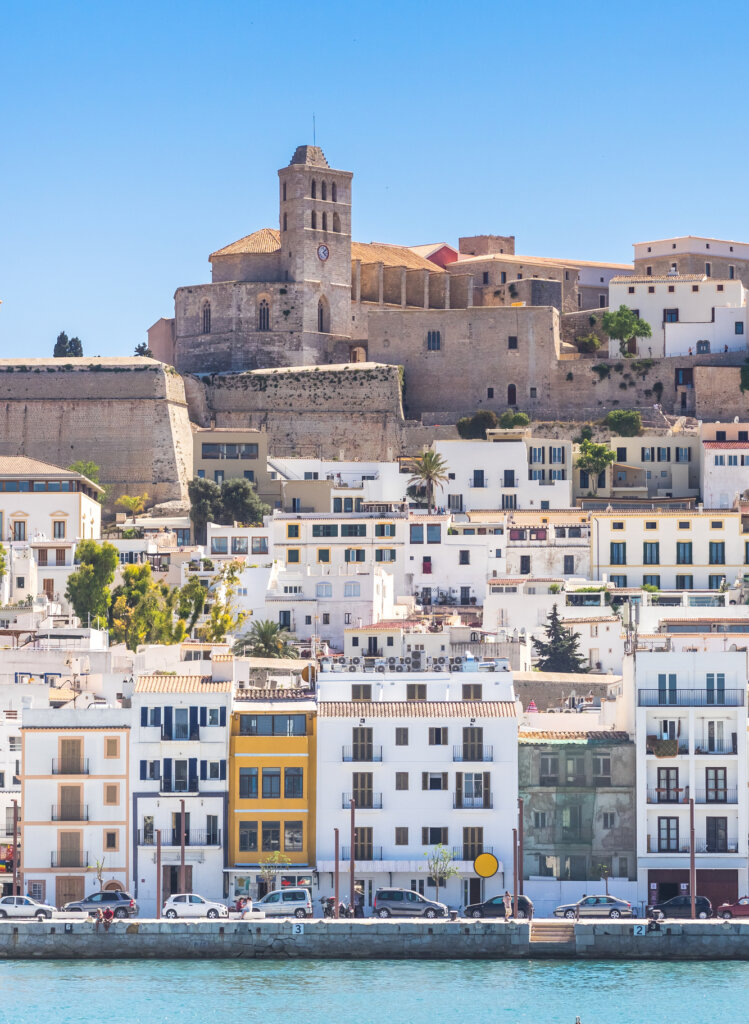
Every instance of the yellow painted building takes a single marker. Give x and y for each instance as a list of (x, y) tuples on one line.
[(272, 780)]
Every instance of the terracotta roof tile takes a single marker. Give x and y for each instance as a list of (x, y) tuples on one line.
[(181, 684), (417, 709), (588, 736), (262, 241), (392, 256), (291, 693), (725, 444)]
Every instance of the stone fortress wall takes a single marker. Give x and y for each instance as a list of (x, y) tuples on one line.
[(129, 416)]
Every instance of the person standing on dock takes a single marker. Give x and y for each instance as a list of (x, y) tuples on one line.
[(507, 900)]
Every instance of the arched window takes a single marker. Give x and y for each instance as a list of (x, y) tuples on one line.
[(512, 394), (324, 190), (336, 222), (284, 191), (314, 219), (314, 189), (207, 318), (325, 222), (284, 222), (334, 192), (263, 316), (323, 316)]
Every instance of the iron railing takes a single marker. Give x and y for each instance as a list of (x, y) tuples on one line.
[(470, 852), (473, 752), (172, 785), (363, 752), (690, 698), (71, 812), (172, 837), (463, 802), (70, 766), (362, 853), (69, 859), (364, 801)]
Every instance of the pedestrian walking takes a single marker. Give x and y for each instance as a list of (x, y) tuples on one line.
[(507, 900)]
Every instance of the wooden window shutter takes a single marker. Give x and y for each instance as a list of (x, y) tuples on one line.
[(425, 836), (425, 780), (444, 780), (459, 789), (487, 789)]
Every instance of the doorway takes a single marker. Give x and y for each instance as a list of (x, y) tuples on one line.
[(170, 879)]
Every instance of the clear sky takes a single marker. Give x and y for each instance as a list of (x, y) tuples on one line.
[(136, 138)]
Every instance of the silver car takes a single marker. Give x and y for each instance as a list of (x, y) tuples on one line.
[(121, 903), (406, 903), (595, 906)]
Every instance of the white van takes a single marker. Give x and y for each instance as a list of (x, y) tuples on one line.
[(279, 902)]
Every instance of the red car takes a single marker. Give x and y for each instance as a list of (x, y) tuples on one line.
[(738, 909)]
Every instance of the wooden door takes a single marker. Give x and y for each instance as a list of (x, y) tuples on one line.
[(71, 756), (69, 853), (362, 786), (69, 888), (70, 803)]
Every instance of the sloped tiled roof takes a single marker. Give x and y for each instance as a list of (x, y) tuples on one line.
[(587, 736), (392, 256), (417, 709), (726, 444), (263, 240), (291, 693), (20, 465), (181, 684)]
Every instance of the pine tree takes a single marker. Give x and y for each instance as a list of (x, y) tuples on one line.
[(560, 652)]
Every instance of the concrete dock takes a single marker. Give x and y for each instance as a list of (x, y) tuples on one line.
[(373, 939)]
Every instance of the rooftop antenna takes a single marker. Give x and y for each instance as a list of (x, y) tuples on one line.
[(314, 138)]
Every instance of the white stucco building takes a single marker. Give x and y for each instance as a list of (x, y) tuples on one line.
[(430, 757), (691, 728), (689, 314)]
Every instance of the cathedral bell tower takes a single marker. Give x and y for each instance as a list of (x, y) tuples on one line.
[(315, 226)]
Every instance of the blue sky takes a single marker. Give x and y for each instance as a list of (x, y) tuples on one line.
[(136, 138)]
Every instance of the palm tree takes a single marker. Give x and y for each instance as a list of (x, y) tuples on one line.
[(428, 469), (265, 639)]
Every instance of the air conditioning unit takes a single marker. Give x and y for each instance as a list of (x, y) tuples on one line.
[(355, 661), (352, 668), (379, 668), (399, 668), (437, 668)]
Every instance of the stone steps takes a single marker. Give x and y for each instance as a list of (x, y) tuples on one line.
[(552, 931)]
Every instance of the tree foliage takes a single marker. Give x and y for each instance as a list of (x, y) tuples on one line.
[(86, 468), (223, 618), (142, 349), (270, 867), (560, 652), (441, 866), (192, 599), (235, 500), (134, 503), (625, 422), (624, 325), (88, 587), (144, 610), (65, 346), (475, 427), (3, 563), (593, 458), (427, 470), (265, 639)]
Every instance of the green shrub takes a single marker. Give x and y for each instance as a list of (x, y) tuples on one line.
[(625, 422), (602, 369), (476, 426), (588, 343)]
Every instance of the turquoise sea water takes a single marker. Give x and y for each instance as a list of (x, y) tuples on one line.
[(372, 992)]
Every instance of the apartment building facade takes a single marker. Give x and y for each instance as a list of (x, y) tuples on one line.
[(690, 731), (180, 749), (272, 791), (75, 786), (430, 758)]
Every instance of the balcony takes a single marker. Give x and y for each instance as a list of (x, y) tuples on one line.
[(462, 802), (690, 698), (569, 780), (69, 859), (668, 796), (666, 748), (709, 747), (182, 735), (473, 752), (364, 753), (362, 853), (178, 785), (470, 852), (70, 766), (171, 837), (77, 812), (727, 846), (716, 796), (364, 801), (676, 846)]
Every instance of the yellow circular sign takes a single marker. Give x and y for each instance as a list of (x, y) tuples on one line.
[(486, 865)]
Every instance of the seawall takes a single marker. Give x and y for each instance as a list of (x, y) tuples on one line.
[(369, 939)]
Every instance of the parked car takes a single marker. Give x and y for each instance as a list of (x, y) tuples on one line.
[(24, 906), (189, 904), (495, 907), (738, 909), (122, 904), (406, 903), (681, 906), (280, 902), (595, 906)]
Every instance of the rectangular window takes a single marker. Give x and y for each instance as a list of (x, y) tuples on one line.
[(384, 529), (323, 556), (715, 582), (464, 558), (293, 556), (651, 581), (684, 553), (609, 819), (684, 582), (292, 531), (717, 552), (618, 554), (353, 529), (293, 783), (58, 529), (354, 555), (325, 530), (271, 836), (416, 533), (472, 691), (293, 836), (239, 545), (401, 737), (219, 545), (401, 836), (324, 589), (549, 770), (651, 553), (416, 691), (361, 691), (434, 341), (385, 554), (438, 736), (602, 770), (512, 341), (352, 589), (671, 316), (434, 836), (272, 725), (248, 783), (111, 794), (434, 533), (248, 836), (111, 746), (259, 546), (401, 780), (271, 783)]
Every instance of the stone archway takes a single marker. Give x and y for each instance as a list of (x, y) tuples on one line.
[(114, 886), (357, 354)]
